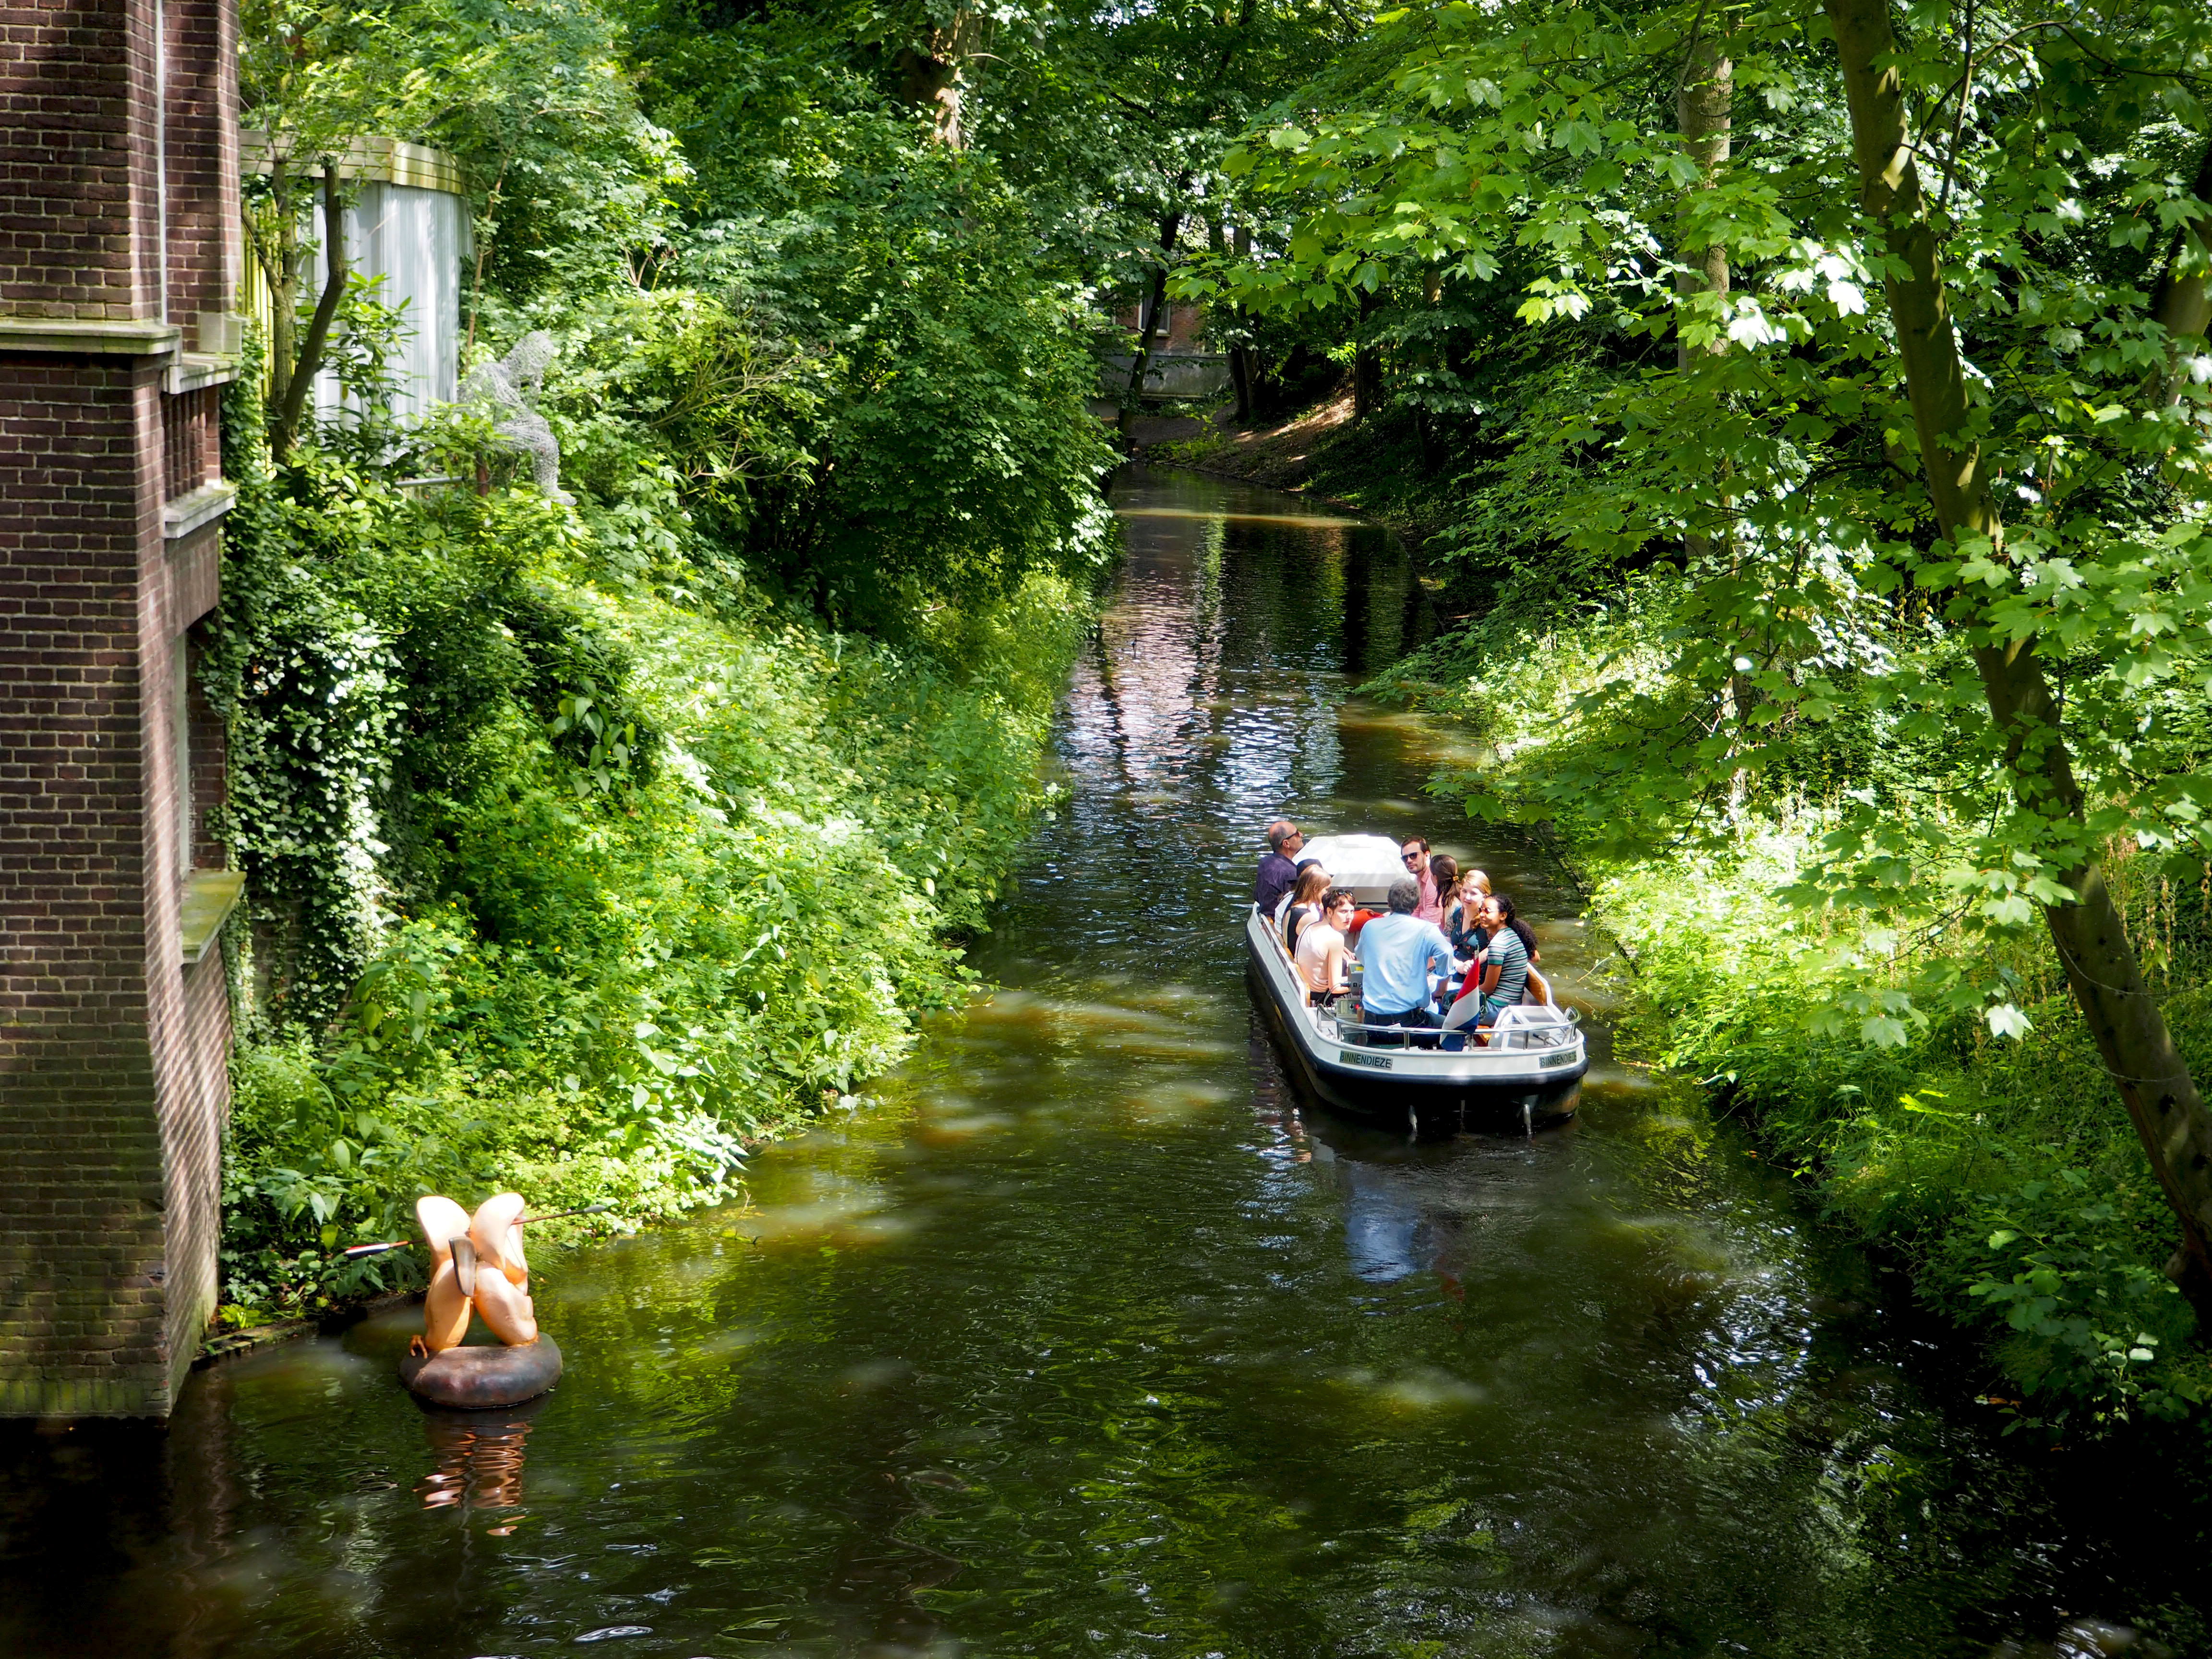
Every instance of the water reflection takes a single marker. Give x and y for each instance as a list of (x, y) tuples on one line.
[(479, 1457), (1091, 1338)]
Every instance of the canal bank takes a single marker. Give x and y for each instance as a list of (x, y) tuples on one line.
[(1085, 1334)]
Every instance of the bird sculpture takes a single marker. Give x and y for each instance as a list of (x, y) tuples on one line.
[(476, 1265)]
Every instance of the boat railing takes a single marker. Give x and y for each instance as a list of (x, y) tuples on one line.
[(1555, 1035), (1550, 1035)]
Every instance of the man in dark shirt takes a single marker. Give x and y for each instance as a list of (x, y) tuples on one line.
[(1279, 869)]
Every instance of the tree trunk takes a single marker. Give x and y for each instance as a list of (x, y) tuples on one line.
[(932, 76), (301, 379), (1240, 355), (2180, 301), (2169, 1115), (1432, 363), (1703, 106), (1704, 109), (1366, 364), (1149, 328), (274, 236)]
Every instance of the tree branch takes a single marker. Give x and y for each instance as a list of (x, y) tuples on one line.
[(319, 327)]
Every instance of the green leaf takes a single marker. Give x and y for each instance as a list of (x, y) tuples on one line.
[(1883, 1031)]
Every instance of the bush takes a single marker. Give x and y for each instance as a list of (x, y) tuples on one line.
[(2002, 1172)]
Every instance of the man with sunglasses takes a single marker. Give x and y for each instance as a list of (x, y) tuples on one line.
[(1279, 869), (1415, 853)]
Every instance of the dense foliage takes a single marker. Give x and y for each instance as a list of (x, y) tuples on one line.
[(1829, 496), (590, 840), (1805, 404)]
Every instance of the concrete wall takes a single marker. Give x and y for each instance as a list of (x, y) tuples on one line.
[(112, 1050)]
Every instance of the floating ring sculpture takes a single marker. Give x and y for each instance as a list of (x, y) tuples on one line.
[(476, 1266), (481, 1377)]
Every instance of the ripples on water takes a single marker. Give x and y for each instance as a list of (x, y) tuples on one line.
[(1086, 1337)]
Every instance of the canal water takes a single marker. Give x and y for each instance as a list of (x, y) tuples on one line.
[(1085, 1335)]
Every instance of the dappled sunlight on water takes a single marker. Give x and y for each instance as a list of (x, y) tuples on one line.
[(1088, 1335)]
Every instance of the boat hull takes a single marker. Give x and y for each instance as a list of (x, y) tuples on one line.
[(1420, 1089)]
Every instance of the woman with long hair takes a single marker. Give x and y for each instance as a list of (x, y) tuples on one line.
[(1305, 903), (1511, 918), (1443, 875), (1463, 920), (1321, 953)]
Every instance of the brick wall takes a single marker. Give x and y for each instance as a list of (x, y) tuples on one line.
[(204, 244), (82, 1195), (113, 1051), (76, 160), (78, 177)]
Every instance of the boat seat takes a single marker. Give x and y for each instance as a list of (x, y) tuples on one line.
[(1529, 1025)]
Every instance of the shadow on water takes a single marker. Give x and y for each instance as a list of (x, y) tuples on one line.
[(1089, 1336)]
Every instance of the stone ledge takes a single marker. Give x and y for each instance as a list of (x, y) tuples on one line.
[(365, 155), (203, 506), (195, 369), (245, 1341), (88, 335), (42, 1396), (210, 898)]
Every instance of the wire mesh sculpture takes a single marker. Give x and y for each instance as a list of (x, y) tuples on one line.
[(518, 427)]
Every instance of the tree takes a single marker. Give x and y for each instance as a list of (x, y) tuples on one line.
[(273, 233), (297, 84), (567, 177), (2162, 1099), (1831, 477)]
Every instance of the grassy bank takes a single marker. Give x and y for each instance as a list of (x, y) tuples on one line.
[(676, 877), (586, 846), (2000, 1169)]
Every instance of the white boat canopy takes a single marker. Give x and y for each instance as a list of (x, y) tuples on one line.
[(1365, 863)]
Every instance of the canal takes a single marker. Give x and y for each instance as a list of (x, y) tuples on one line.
[(1083, 1335)]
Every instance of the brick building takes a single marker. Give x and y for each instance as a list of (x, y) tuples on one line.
[(119, 252)]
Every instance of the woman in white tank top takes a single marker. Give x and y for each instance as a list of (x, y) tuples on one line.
[(1321, 952)]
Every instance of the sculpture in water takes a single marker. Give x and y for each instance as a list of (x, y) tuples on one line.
[(476, 1263), (518, 426), (476, 1266)]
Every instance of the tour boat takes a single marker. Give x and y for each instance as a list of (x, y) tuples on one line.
[(1524, 1075)]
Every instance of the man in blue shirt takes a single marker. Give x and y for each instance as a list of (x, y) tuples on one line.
[(1277, 870), (1396, 953)]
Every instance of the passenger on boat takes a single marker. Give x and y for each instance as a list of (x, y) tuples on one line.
[(1443, 876), (1415, 852), (1322, 954), (1503, 968), (1304, 902), (1396, 955), (1277, 868), (1511, 918), (1283, 904), (1277, 872), (1462, 922)]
